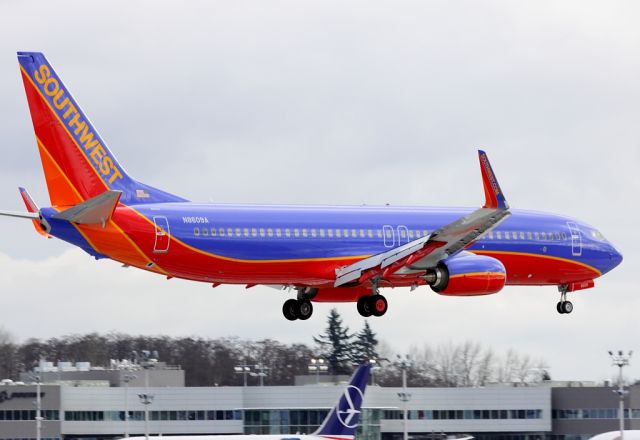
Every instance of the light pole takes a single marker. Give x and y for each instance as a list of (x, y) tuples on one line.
[(244, 370), (620, 360), (127, 378), (260, 368), (317, 365), (404, 364), (38, 409), (147, 399)]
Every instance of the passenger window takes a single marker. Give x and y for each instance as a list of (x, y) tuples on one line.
[(338, 233), (425, 233), (205, 232), (296, 232), (564, 236), (313, 233), (278, 232), (287, 232), (557, 236), (506, 235), (196, 232), (403, 233), (521, 235), (269, 232), (387, 233), (354, 233), (229, 232), (490, 235), (238, 232), (321, 232), (330, 233), (550, 235), (345, 233), (262, 234), (498, 235), (304, 232), (369, 233), (544, 235), (221, 231), (361, 233), (537, 235), (379, 233), (213, 232), (410, 233), (254, 232), (246, 232), (529, 236)]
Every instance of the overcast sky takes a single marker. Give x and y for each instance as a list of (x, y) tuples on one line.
[(337, 102)]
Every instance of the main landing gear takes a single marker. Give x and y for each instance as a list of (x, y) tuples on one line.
[(372, 305), (300, 308), (563, 305)]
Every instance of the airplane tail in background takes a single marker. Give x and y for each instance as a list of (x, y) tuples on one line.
[(77, 163), (342, 420)]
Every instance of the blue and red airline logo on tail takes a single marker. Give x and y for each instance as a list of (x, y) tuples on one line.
[(70, 116)]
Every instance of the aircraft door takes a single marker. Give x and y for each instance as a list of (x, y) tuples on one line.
[(389, 236), (403, 235), (163, 234), (576, 239)]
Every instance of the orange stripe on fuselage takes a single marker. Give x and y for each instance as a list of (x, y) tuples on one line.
[(535, 269)]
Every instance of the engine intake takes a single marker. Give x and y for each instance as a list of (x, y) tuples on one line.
[(467, 274)]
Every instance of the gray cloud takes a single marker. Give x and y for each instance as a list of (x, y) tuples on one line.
[(337, 102)]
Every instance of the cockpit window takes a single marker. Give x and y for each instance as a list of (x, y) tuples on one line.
[(597, 235)]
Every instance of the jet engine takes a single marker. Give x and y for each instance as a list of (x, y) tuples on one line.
[(467, 274)]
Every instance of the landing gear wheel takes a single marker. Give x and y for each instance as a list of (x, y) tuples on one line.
[(564, 306), (289, 309), (567, 307), (379, 305), (559, 307), (304, 309), (364, 306)]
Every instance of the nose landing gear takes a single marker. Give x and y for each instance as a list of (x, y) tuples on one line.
[(564, 306)]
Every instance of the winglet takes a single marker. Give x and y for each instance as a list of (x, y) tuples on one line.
[(342, 420), (494, 197), (33, 209)]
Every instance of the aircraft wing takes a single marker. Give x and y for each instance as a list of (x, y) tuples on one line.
[(426, 252)]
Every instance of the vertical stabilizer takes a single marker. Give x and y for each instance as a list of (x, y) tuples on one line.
[(77, 163), (343, 418)]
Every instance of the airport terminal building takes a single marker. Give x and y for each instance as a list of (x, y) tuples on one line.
[(91, 404)]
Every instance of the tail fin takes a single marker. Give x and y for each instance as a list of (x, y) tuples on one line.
[(77, 163), (343, 418)]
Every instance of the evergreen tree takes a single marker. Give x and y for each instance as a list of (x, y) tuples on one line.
[(336, 344), (365, 345)]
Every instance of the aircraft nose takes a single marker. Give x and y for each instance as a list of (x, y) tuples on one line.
[(615, 256)]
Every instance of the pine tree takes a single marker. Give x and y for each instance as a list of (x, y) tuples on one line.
[(336, 344), (365, 345)]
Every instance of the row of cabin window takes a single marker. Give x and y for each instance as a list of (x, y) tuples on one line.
[(537, 236), (306, 233)]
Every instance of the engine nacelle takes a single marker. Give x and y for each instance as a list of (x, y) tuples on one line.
[(467, 274)]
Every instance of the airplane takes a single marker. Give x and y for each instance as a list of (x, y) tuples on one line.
[(319, 253), (340, 423)]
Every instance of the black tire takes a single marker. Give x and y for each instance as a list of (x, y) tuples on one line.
[(304, 309), (559, 307), (567, 307), (379, 305), (289, 309), (364, 306)]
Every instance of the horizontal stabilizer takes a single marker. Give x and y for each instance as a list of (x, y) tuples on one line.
[(97, 210), (28, 215)]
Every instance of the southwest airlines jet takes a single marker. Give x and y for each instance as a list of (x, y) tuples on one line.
[(340, 424), (320, 253)]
